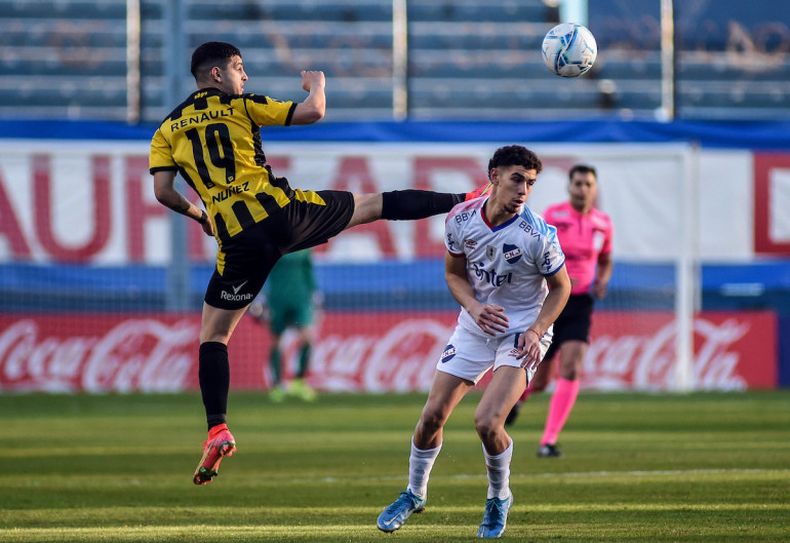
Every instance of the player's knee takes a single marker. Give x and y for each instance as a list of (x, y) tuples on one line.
[(305, 336), (487, 426), (538, 384), (367, 208), (569, 373), (431, 421)]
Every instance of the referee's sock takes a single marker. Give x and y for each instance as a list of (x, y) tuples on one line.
[(408, 205), (214, 377)]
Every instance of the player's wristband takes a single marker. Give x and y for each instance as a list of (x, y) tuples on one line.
[(203, 217)]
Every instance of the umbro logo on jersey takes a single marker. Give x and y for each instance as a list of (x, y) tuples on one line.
[(470, 243), (448, 354), (512, 253)]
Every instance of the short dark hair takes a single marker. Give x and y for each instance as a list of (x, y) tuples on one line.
[(582, 168), (515, 155), (211, 52)]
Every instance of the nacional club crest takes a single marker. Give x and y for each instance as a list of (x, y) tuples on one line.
[(491, 252), (511, 252), (449, 353)]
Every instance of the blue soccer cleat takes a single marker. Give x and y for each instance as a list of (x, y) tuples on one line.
[(396, 513), (495, 518)]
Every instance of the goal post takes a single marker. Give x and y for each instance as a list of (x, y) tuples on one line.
[(652, 193)]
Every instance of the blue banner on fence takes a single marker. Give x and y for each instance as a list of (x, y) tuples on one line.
[(733, 134)]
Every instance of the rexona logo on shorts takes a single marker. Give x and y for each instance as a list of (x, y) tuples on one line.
[(225, 295), (448, 354), (511, 252), (235, 296)]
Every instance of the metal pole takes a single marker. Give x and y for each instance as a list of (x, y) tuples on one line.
[(686, 274), (574, 11), (400, 60), (177, 295), (133, 29), (667, 60)]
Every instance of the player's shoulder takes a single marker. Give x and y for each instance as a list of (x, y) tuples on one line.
[(257, 98), (260, 99), (600, 218), (558, 211), (203, 99), (463, 211), (534, 224)]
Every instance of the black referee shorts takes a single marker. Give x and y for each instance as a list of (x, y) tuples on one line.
[(244, 262), (573, 323)]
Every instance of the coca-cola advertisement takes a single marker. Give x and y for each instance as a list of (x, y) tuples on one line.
[(363, 352)]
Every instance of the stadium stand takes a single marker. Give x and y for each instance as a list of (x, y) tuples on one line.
[(67, 58)]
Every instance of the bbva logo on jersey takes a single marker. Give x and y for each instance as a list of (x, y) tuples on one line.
[(512, 253)]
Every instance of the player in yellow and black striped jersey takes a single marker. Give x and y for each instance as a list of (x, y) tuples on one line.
[(213, 140)]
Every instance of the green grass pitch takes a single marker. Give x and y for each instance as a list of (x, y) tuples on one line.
[(703, 467)]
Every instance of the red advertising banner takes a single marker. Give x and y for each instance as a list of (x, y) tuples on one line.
[(771, 190), (93, 201), (365, 352)]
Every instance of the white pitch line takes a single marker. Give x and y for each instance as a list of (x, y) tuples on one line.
[(569, 474)]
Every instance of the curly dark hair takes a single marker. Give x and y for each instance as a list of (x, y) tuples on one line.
[(515, 155), (209, 53)]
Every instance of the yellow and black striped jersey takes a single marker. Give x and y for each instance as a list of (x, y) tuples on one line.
[(213, 140)]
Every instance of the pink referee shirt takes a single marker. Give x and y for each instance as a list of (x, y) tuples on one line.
[(583, 236)]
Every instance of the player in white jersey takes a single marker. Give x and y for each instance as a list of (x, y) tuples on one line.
[(505, 267)]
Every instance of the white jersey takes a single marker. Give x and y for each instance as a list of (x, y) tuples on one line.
[(506, 264)]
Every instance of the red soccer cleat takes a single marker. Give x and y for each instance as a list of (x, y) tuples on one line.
[(220, 443), (478, 192)]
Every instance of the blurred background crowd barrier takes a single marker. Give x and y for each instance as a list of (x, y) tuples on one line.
[(468, 59)]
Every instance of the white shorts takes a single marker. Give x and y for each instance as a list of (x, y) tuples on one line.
[(469, 355)]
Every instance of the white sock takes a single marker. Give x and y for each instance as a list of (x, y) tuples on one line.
[(498, 468), (420, 464)]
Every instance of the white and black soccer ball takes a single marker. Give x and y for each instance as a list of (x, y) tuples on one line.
[(569, 50)]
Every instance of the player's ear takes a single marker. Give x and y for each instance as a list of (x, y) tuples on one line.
[(493, 176), (216, 74)]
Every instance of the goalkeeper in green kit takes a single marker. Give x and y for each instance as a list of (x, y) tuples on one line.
[(290, 293)]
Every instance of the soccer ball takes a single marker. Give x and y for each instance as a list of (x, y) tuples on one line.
[(569, 50)]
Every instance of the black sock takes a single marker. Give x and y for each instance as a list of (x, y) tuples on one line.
[(408, 205), (214, 376)]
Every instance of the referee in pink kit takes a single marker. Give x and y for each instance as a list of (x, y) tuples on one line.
[(585, 234)]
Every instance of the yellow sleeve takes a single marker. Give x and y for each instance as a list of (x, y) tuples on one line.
[(161, 156), (266, 111)]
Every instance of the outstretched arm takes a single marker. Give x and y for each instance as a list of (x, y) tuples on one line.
[(312, 108), (167, 195)]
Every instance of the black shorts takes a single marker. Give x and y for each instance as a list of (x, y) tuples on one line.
[(246, 259), (573, 323)]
